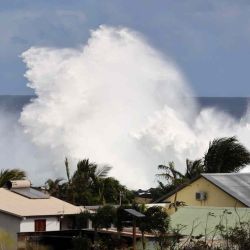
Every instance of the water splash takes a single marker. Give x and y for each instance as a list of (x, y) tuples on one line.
[(118, 101)]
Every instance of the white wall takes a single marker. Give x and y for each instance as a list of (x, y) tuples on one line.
[(28, 224), (52, 224)]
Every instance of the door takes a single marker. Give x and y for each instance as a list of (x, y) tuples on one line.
[(40, 225)]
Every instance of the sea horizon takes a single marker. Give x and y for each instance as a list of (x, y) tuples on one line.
[(234, 106)]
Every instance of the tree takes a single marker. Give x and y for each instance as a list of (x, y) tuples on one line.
[(225, 155), (193, 168), (174, 177), (170, 174), (81, 220), (11, 174), (110, 191), (120, 217), (89, 185), (85, 180), (81, 182), (85, 187), (54, 187), (104, 217), (157, 221)]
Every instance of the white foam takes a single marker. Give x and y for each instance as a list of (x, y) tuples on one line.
[(117, 100)]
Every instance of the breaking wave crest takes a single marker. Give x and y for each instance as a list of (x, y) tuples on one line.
[(119, 101)]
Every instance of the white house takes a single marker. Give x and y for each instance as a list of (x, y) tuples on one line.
[(24, 209)]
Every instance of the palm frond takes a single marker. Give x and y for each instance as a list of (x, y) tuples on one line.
[(11, 174), (170, 173), (226, 155), (103, 171), (193, 168)]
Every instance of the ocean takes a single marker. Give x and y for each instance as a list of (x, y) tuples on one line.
[(235, 106)]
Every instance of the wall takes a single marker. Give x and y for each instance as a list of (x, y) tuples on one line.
[(10, 224), (215, 196), (28, 224)]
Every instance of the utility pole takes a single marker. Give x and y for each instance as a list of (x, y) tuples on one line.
[(120, 198)]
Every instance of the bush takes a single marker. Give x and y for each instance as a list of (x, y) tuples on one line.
[(81, 243)]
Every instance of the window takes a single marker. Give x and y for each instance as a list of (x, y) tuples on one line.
[(40, 225)]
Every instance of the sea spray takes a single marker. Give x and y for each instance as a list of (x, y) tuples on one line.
[(18, 152), (117, 100)]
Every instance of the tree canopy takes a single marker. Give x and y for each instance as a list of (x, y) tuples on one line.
[(226, 155), (89, 185), (11, 174)]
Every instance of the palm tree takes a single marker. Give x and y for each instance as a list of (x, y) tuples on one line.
[(100, 183), (193, 168), (88, 172), (54, 187), (174, 177), (85, 179), (11, 174), (225, 155), (170, 174)]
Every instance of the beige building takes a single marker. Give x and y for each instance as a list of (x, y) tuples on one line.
[(24, 209), (213, 190)]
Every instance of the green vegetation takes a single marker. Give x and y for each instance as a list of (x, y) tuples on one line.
[(81, 242), (156, 221), (225, 155), (11, 174), (104, 217), (89, 185), (6, 241)]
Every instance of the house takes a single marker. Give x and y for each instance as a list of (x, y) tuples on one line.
[(24, 209), (213, 190), (143, 196), (201, 221)]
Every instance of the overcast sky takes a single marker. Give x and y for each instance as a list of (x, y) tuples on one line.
[(208, 40)]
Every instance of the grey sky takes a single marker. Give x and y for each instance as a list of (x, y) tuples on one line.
[(208, 40)]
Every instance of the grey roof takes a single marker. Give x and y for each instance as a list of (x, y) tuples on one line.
[(235, 184), (134, 212)]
